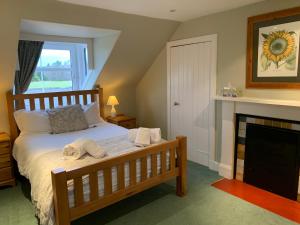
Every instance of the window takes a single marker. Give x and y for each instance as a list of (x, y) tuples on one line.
[(61, 67)]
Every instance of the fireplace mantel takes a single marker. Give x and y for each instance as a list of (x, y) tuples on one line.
[(280, 109), (265, 101)]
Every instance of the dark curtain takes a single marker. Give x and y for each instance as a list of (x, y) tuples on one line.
[(29, 53)]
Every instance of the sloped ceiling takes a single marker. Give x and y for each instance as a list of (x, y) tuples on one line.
[(140, 41), (63, 30)]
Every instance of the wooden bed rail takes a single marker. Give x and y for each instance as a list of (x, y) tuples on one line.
[(174, 152)]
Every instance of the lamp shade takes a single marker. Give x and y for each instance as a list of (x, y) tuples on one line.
[(112, 100)]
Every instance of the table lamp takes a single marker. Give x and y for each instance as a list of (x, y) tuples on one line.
[(112, 100)]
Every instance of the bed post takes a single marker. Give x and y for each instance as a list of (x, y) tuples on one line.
[(101, 102), (181, 180), (60, 196), (10, 110)]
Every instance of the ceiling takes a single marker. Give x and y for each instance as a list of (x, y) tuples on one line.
[(182, 9), (65, 30)]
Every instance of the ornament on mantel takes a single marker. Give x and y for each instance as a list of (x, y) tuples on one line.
[(230, 91)]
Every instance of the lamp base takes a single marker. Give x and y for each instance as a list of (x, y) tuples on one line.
[(113, 112)]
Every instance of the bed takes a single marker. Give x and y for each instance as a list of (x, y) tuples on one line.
[(83, 186)]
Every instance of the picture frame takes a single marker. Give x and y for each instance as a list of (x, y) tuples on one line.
[(273, 50)]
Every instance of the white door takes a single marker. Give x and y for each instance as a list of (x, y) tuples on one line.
[(190, 97)]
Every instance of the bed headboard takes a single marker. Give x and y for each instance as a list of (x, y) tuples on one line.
[(49, 100)]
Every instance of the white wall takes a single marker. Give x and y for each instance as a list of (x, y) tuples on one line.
[(151, 95), (101, 49)]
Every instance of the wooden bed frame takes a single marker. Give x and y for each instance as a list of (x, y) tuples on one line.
[(63, 213)]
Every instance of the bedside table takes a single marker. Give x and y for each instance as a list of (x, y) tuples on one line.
[(123, 121), (6, 165)]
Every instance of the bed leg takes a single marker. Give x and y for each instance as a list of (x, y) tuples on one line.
[(60, 196), (181, 180)]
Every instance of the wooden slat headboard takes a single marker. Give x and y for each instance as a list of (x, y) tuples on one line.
[(48, 101)]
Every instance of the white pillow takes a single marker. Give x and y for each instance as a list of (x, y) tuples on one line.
[(32, 121), (92, 114)]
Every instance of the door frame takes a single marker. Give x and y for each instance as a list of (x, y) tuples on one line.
[(212, 164)]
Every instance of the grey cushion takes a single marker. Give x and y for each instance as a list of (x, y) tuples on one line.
[(67, 119)]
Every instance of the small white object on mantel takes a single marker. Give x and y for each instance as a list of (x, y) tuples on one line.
[(265, 101)]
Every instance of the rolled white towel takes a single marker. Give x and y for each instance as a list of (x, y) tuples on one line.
[(74, 150), (142, 137), (155, 135), (91, 147), (132, 134)]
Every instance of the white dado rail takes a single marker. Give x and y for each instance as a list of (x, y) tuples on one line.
[(281, 109)]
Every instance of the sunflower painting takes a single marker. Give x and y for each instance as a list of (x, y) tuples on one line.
[(278, 51), (273, 48)]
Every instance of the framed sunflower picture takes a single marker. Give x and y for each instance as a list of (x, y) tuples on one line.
[(273, 48)]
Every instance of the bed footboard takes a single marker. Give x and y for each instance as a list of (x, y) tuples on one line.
[(174, 150)]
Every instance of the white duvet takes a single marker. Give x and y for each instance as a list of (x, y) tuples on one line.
[(38, 154)]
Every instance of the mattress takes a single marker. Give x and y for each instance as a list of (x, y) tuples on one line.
[(38, 154)]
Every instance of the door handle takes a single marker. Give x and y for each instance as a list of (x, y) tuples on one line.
[(176, 103)]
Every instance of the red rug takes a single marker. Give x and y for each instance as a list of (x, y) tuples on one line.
[(269, 201)]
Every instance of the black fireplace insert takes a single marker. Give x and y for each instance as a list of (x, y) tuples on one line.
[(272, 159)]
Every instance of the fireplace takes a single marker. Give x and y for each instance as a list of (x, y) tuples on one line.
[(272, 159), (267, 154)]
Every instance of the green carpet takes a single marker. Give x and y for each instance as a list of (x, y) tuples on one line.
[(160, 206)]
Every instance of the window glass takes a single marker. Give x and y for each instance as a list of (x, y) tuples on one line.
[(51, 58), (58, 68), (53, 72), (51, 81)]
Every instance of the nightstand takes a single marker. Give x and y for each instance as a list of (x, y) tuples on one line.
[(6, 165), (123, 121)]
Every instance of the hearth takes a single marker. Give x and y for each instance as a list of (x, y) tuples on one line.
[(268, 154)]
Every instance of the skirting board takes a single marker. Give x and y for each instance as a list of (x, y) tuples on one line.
[(202, 158), (225, 171), (213, 165), (198, 157)]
